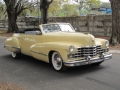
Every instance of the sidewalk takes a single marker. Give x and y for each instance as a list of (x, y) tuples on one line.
[(115, 51)]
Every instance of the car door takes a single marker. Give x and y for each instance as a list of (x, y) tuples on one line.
[(27, 40)]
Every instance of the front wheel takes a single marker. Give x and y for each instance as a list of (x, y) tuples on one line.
[(57, 62), (15, 55)]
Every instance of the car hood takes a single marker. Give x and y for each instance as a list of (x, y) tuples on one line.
[(75, 38)]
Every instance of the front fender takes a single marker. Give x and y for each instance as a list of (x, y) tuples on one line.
[(12, 44), (100, 41), (41, 50)]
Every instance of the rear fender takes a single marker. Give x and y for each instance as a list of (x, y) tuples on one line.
[(100, 41), (12, 44)]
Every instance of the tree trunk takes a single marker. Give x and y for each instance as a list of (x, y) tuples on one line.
[(115, 37), (44, 15), (12, 17), (44, 6)]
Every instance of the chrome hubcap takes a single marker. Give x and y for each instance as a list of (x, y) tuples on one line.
[(56, 61)]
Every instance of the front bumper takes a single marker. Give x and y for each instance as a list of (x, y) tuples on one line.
[(88, 60)]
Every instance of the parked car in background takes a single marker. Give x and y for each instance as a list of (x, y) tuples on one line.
[(60, 45)]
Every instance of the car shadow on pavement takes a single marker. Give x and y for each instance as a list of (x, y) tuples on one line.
[(35, 67)]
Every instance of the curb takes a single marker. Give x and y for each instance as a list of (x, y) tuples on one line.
[(115, 51)]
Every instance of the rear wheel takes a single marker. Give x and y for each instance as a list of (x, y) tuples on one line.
[(15, 55), (57, 62)]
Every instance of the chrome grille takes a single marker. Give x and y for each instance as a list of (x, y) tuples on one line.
[(88, 51)]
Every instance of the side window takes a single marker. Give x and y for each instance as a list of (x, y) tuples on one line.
[(31, 31), (46, 28), (51, 28), (55, 27)]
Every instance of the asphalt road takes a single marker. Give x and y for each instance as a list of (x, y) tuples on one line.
[(31, 74)]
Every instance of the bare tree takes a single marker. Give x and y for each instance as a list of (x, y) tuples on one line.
[(44, 6), (13, 9), (115, 38)]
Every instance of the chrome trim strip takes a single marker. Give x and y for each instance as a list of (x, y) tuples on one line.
[(39, 53), (89, 46), (88, 60), (11, 46), (88, 51), (16, 49)]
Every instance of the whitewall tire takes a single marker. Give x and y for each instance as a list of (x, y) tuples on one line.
[(15, 55), (57, 62)]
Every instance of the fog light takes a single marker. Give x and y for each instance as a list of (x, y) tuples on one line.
[(71, 56), (106, 50)]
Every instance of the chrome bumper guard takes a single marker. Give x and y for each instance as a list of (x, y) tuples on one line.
[(89, 60)]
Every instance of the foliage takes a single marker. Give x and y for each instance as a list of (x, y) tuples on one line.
[(70, 10), (63, 9), (2, 11), (93, 3), (29, 12), (54, 7), (18, 5), (105, 4), (13, 9), (87, 5)]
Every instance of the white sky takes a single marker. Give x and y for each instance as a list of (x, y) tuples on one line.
[(104, 0)]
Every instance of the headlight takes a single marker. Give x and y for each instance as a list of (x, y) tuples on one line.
[(71, 49), (107, 43)]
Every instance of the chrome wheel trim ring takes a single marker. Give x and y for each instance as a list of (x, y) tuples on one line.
[(13, 54), (56, 61)]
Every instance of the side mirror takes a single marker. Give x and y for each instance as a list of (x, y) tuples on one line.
[(38, 32)]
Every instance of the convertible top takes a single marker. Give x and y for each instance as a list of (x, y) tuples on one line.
[(30, 29)]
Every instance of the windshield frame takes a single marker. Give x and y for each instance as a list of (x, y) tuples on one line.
[(59, 29)]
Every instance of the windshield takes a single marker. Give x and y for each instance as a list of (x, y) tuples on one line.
[(66, 28), (57, 27)]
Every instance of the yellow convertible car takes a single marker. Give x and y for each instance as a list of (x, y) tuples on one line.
[(60, 45)]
